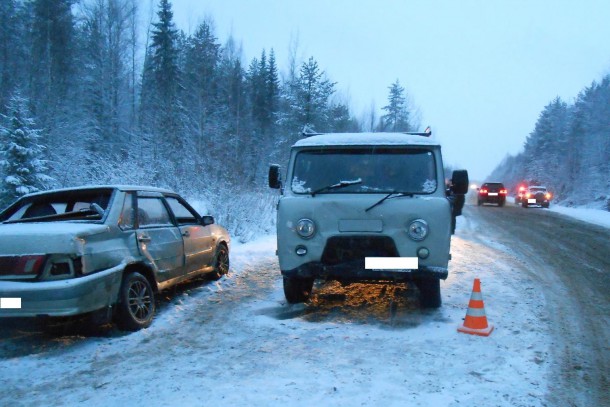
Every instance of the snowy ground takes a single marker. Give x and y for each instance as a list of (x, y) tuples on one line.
[(236, 342), (595, 216)]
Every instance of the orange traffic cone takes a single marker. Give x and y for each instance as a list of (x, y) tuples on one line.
[(475, 322)]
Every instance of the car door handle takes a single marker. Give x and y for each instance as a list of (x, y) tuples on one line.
[(144, 238), (186, 233)]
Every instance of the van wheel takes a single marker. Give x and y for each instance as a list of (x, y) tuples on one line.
[(297, 290), (136, 306), (429, 292)]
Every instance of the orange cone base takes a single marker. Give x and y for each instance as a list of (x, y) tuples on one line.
[(480, 332)]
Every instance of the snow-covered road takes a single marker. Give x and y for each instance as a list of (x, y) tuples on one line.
[(237, 342)]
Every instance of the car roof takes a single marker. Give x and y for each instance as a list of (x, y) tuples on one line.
[(119, 187), (366, 139)]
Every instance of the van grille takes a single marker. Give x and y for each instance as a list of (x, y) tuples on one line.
[(342, 249)]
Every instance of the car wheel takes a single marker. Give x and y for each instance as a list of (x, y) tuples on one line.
[(546, 205), (479, 203), (501, 203), (297, 290), (524, 204), (429, 292), (221, 262), (136, 306)]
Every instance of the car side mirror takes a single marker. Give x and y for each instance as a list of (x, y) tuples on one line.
[(459, 182), (275, 177), (207, 220)]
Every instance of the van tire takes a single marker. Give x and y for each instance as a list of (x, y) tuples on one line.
[(297, 290), (429, 292)]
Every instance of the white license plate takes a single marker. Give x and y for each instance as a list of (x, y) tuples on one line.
[(405, 264), (531, 200), (493, 194), (10, 303)]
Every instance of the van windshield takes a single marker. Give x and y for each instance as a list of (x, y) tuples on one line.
[(380, 170)]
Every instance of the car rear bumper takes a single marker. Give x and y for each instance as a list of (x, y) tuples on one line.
[(354, 271), (63, 298), (493, 199)]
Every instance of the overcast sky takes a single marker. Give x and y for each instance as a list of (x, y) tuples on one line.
[(479, 72)]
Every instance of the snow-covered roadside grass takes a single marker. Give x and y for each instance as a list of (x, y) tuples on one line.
[(595, 216), (591, 215)]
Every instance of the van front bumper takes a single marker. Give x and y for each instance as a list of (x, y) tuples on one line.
[(355, 271)]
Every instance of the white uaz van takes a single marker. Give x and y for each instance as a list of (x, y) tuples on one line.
[(366, 207)]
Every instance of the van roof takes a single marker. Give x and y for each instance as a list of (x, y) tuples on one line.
[(365, 139)]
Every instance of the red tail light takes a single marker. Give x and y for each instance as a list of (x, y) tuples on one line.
[(521, 189), (503, 192), (483, 191), (21, 266), (548, 195)]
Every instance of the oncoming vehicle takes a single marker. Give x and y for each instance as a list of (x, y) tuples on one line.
[(536, 195), (492, 192), (521, 190), (105, 250), (368, 207)]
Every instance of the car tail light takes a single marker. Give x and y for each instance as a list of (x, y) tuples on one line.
[(528, 195), (548, 195), (503, 192), (21, 267), (521, 189), (483, 191)]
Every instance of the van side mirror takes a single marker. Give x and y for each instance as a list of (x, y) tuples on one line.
[(275, 176), (207, 220), (459, 182)]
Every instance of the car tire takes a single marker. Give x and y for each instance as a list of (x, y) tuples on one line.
[(221, 262), (501, 203), (429, 292), (524, 204), (546, 205), (297, 290), (136, 306), (479, 203)]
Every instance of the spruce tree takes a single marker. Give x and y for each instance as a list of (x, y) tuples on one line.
[(313, 90), (397, 113), (21, 154)]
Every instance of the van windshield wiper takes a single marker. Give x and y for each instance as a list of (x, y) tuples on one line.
[(393, 194), (341, 184)]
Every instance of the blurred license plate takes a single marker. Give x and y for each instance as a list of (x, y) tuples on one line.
[(493, 194), (531, 200)]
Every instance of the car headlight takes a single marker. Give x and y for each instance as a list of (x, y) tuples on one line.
[(418, 229), (306, 228)]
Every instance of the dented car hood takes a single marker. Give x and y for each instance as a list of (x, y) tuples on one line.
[(48, 237)]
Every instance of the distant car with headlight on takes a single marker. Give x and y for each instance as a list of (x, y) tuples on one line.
[(492, 192), (104, 250), (536, 195)]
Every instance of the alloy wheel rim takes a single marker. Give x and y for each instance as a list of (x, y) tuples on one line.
[(223, 262), (139, 300)]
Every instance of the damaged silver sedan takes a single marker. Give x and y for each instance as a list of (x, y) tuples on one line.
[(104, 250)]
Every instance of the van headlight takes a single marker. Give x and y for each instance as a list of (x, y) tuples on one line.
[(418, 229), (306, 228)]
